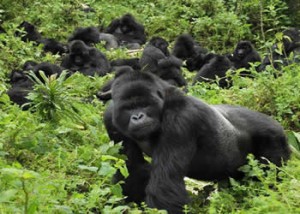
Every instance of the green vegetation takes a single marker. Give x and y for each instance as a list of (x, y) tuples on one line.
[(57, 157)]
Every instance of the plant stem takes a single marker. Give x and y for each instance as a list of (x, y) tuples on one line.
[(26, 196)]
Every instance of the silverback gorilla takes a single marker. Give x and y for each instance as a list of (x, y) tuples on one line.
[(184, 136)]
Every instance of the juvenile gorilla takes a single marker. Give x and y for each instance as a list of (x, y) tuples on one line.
[(157, 59), (244, 54), (185, 47), (89, 35), (216, 66), (127, 31), (21, 84), (30, 32), (85, 59), (184, 136)]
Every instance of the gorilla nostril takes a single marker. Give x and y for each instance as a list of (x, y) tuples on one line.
[(141, 115), (138, 117)]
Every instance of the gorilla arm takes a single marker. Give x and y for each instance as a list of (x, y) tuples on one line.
[(170, 161)]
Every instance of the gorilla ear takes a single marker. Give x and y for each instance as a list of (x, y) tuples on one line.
[(104, 96), (122, 70)]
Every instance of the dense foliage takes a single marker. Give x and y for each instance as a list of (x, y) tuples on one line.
[(57, 158)]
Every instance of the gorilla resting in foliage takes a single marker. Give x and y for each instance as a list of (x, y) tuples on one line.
[(85, 59), (279, 56), (157, 59), (22, 84), (185, 47), (184, 136), (28, 32), (216, 67), (244, 54), (128, 32), (31, 34), (89, 35), (133, 62)]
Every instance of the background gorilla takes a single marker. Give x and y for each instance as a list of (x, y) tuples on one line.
[(185, 47), (291, 44), (216, 66), (87, 60), (89, 35), (134, 63), (244, 54), (53, 46), (111, 40), (31, 33), (184, 136), (196, 63), (21, 84), (127, 31), (156, 59)]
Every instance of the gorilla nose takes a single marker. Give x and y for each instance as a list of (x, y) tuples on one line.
[(138, 118)]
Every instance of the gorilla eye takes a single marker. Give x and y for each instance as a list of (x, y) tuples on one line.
[(160, 95)]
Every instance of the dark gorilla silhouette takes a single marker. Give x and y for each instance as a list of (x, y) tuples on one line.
[(21, 84), (53, 46), (291, 45), (216, 66), (133, 62), (85, 59), (28, 32), (184, 136), (157, 59), (128, 31), (31, 34), (185, 47), (89, 35), (196, 63), (244, 54)]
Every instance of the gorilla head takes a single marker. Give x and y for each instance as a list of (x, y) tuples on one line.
[(79, 52), (242, 49), (161, 44), (140, 116)]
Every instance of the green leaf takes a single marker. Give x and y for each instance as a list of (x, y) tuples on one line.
[(7, 195), (89, 168)]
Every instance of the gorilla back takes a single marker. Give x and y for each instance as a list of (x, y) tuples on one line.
[(184, 136)]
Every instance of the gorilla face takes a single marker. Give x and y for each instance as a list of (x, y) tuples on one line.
[(161, 44), (242, 49), (137, 107), (79, 52)]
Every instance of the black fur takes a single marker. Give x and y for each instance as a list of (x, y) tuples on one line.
[(85, 59), (21, 84), (89, 35), (156, 59), (195, 63), (184, 136), (216, 66), (53, 46), (30, 34), (134, 63), (128, 32), (244, 54), (185, 47)]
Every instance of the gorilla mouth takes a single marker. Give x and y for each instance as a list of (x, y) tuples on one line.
[(143, 130)]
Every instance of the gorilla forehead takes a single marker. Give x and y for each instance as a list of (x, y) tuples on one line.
[(134, 83)]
